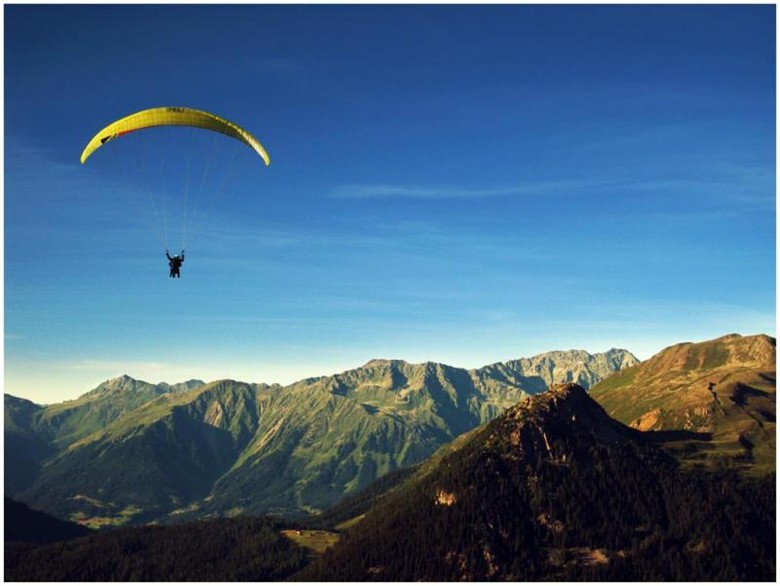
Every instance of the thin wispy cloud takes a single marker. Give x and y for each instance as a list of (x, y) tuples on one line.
[(728, 187), (378, 191)]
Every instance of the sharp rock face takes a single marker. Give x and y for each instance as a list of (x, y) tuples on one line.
[(552, 423), (537, 373)]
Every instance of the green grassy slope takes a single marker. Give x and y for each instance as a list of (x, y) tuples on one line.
[(721, 391)]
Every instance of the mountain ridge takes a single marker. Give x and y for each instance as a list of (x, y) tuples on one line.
[(234, 448), (253, 448)]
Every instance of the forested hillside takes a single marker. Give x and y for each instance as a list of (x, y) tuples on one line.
[(555, 489)]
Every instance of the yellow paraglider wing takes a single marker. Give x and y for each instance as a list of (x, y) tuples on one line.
[(173, 117)]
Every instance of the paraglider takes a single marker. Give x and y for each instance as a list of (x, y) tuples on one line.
[(175, 262), (162, 208)]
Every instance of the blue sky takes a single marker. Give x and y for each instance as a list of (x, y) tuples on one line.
[(463, 184)]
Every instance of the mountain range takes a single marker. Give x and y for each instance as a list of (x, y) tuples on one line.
[(663, 471), (130, 451)]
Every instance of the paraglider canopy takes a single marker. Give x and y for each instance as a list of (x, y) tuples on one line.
[(173, 116)]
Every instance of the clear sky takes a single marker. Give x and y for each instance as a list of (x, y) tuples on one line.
[(462, 184)]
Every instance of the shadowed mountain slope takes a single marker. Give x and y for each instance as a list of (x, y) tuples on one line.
[(23, 524), (25, 449), (167, 452)]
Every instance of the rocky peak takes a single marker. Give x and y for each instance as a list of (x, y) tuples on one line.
[(560, 400), (119, 384), (618, 358), (122, 381), (554, 423)]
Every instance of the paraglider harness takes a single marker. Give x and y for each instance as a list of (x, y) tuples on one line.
[(175, 263)]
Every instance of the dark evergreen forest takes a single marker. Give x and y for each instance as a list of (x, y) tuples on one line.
[(540, 522), (242, 549), (544, 521)]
